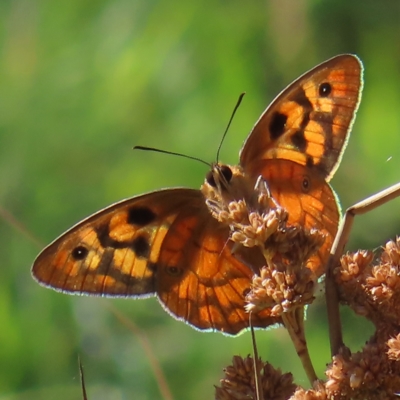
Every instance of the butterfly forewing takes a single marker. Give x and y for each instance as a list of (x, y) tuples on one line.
[(309, 122), (115, 251)]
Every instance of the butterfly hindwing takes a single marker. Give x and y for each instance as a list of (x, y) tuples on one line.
[(309, 198), (209, 292)]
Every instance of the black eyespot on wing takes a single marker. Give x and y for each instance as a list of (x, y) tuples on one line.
[(277, 125), (226, 172), (141, 247), (305, 185), (325, 89), (152, 266), (299, 140), (140, 216), (79, 253), (210, 179), (103, 235), (302, 100), (174, 271)]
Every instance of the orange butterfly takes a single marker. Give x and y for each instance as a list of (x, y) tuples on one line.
[(167, 243)]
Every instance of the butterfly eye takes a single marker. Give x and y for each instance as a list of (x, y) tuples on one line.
[(223, 170), (226, 172), (80, 253), (210, 179), (325, 89)]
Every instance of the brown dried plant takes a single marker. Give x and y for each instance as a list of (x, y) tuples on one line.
[(369, 285)]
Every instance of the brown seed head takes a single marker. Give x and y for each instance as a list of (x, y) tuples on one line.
[(239, 381), (372, 290), (364, 375)]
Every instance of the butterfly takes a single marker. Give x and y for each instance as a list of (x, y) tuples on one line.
[(167, 244)]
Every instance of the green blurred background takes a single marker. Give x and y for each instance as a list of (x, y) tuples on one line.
[(83, 81)]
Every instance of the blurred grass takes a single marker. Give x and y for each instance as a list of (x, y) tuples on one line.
[(81, 82)]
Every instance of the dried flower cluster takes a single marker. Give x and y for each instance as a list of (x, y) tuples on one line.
[(280, 290), (285, 282), (252, 229), (368, 374), (372, 373), (251, 222), (318, 392), (371, 289), (394, 348), (239, 381)]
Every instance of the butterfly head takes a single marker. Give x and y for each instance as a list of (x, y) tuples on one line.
[(220, 177), (225, 183)]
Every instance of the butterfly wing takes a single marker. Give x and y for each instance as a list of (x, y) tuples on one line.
[(309, 199), (309, 122), (164, 243), (200, 281), (114, 251), (297, 144)]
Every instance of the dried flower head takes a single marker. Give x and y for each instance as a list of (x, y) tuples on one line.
[(285, 282), (394, 348), (318, 392), (239, 382), (249, 228), (364, 375), (280, 290), (372, 290), (285, 274)]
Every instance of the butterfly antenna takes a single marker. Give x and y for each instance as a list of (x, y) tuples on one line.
[(171, 153), (229, 123)]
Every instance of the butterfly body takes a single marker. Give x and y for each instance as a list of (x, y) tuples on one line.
[(169, 243)]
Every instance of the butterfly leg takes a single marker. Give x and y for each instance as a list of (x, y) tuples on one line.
[(261, 187), (331, 293)]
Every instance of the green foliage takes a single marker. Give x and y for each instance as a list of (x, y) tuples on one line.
[(82, 82)]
